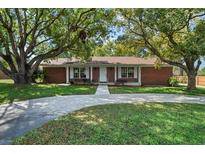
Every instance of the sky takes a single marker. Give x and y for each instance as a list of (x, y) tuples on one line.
[(203, 64)]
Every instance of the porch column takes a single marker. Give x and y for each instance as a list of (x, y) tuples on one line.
[(91, 73), (139, 74), (67, 74), (115, 73)]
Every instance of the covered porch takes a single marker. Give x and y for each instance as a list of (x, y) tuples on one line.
[(103, 73)]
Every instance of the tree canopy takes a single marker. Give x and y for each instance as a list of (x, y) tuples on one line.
[(29, 36), (175, 36), (122, 46)]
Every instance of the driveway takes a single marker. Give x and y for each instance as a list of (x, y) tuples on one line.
[(20, 117)]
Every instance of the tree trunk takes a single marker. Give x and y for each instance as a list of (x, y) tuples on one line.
[(191, 81), (20, 78)]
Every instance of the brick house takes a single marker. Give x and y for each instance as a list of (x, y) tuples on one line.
[(110, 70)]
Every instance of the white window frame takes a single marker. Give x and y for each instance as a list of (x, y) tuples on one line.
[(79, 72), (127, 68)]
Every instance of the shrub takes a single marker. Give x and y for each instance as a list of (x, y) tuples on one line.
[(39, 76), (173, 81)]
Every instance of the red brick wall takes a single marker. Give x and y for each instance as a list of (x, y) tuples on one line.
[(96, 74), (152, 76), (55, 74), (110, 74), (3, 76)]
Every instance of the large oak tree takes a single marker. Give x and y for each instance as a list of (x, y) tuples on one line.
[(175, 36), (30, 36)]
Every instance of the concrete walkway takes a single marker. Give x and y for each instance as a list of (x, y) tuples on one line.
[(20, 117), (102, 90)]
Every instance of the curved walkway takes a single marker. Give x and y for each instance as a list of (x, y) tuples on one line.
[(20, 117)]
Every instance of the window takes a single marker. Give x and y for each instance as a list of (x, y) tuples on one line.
[(79, 72), (82, 73), (124, 72), (127, 72), (76, 72), (130, 72)]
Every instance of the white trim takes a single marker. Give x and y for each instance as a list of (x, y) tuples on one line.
[(132, 84), (111, 65), (71, 72), (115, 73), (67, 74), (91, 73), (87, 72), (119, 72), (135, 72), (139, 75)]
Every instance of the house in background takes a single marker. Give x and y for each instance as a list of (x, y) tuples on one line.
[(3, 75), (110, 70)]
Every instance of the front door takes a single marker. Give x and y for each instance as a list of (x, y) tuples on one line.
[(103, 74), (110, 74), (96, 74)]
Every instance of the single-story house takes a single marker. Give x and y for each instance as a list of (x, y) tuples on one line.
[(3, 76), (110, 70)]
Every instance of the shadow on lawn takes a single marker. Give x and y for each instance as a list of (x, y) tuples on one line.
[(16, 119), (124, 124)]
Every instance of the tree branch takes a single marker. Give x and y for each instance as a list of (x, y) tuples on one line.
[(5, 70), (156, 52), (198, 65)]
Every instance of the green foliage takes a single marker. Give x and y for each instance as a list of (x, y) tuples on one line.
[(39, 76), (111, 124), (120, 47), (175, 36), (162, 25), (173, 82), (202, 72), (29, 36), (10, 92), (160, 90)]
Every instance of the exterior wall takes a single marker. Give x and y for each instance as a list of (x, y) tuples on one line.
[(152, 76), (110, 74), (149, 75), (96, 74), (55, 74), (3, 76)]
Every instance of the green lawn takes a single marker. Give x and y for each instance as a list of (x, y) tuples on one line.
[(9, 92), (165, 90), (146, 123)]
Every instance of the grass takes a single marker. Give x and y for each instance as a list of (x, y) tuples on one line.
[(145, 123), (162, 90), (10, 92)]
